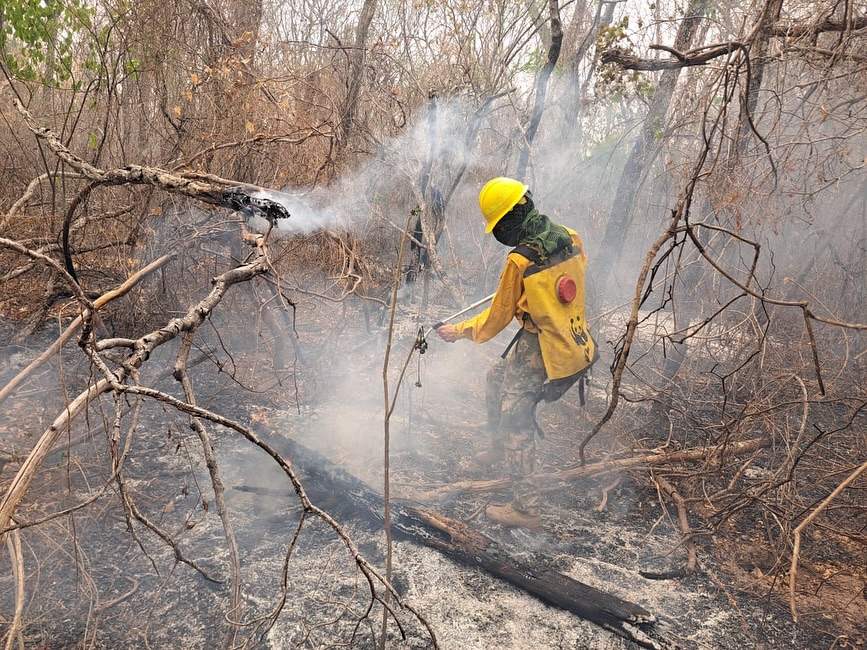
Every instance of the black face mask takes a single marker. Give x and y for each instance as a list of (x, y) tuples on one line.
[(508, 230)]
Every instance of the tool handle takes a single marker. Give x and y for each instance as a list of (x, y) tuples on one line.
[(478, 303), (433, 327)]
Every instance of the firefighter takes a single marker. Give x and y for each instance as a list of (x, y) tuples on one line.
[(542, 287)]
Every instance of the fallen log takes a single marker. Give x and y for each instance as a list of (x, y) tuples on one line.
[(472, 548), (552, 481), (347, 495)]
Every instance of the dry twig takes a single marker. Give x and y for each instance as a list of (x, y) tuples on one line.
[(796, 551)]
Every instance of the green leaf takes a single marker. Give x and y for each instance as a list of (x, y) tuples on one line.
[(36, 37)]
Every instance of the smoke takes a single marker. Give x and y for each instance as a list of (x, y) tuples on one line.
[(435, 412), (304, 218)]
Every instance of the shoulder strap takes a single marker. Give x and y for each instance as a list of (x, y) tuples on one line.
[(538, 264), (558, 255), (528, 252)]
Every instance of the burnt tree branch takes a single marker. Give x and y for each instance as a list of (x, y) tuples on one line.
[(701, 56), (683, 523), (698, 56), (142, 350), (67, 333), (212, 190)]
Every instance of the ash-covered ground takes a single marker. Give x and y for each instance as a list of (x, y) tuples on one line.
[(437, 425), (92, 583)]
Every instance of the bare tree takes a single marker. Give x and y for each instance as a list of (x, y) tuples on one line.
[(652, 133), (356, 62), (556, 35)]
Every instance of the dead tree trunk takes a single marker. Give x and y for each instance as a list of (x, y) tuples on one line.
[(646, 146), (356, 73), (542, 86)]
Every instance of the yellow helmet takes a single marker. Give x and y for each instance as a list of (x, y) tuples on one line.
[(498, 196)]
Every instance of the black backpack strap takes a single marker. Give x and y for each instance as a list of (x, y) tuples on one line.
[(528, 252), (512, 343), (538, 263)]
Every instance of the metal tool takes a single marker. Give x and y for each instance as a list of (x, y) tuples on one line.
[(478, 303)]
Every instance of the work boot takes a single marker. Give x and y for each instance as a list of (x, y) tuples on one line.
[(507, 516), (489, 457)]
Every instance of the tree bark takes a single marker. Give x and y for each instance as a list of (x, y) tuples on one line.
[(645, 147), (356, 69)]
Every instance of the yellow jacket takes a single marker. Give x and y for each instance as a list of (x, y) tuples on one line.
[(511, 301)]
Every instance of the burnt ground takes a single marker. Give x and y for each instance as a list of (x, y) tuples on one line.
[(90, 583)]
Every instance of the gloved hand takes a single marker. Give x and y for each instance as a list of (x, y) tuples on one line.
[(447, 333)]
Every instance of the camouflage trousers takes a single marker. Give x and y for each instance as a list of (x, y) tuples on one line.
[(514, 386)]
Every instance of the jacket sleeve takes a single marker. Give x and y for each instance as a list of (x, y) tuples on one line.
[(504, 307)]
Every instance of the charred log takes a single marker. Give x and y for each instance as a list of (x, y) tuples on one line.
[(472, 548), (348, 496), (239, 199)]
